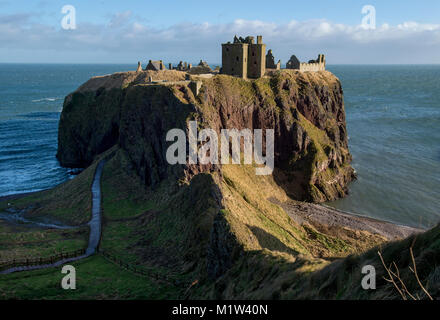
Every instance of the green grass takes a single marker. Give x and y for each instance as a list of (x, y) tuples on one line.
[(341, 279), (68, 203), (18, 242), (97, 278), (125, 203), (140, 226), (124, 196), (332, 244)]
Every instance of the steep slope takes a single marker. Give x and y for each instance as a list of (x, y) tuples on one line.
[(341, 280)]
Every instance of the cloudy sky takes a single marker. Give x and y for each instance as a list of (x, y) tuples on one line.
[(114, 31)]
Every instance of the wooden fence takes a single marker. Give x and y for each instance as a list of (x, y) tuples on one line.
[(26, 262), (142, 270), (137, 269)]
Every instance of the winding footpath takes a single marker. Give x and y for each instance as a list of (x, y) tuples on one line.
[(94, 223)]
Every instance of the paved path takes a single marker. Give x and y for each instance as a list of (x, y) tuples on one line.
[(94, 223)]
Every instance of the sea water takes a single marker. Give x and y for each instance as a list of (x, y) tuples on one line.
[(393, 123)]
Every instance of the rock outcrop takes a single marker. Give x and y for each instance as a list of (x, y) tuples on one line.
[(306, 110), (239, 211)]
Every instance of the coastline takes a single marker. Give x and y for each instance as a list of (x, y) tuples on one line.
[(365, 217), (321, 215), (94, 224), (19, 195), (327, 218)]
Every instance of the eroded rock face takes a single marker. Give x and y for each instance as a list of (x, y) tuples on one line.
[(306, 111), (89, 125)]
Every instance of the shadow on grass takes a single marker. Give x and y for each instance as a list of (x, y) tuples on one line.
[(268, 241)]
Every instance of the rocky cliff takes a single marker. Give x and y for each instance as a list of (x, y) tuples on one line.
[(216, 214), (306, 110)]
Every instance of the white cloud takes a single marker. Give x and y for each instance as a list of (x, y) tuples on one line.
[(120, 19), (124, 38)]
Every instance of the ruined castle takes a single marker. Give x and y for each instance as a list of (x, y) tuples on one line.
[(242, 58), (312, 65), (246, 59)]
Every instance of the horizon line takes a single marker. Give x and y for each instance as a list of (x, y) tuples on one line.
[(219, 64)]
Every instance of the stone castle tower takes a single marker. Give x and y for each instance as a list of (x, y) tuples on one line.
[(244, 58)]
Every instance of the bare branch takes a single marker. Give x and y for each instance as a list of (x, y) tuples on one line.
[(415, 272), (391, 277), (401, 282)]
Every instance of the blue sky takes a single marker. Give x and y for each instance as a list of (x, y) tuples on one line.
[(127, 31)]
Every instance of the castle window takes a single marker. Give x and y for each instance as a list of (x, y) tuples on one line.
[(253, 54), (238, 59)]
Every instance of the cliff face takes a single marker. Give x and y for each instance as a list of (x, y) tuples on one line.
[(91, 116), (89, 125), (306, 111)]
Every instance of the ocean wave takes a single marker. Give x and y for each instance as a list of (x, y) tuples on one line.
[(47, 99), (36, 119), (19, 192), (45, 115)]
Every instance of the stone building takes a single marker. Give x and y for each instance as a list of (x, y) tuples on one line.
[(139, 67), (270, 61), (293, 63), (180, 66), (312, 65), (244, 58), (201, 68), (155, 65), (203, 64), (183, 66)]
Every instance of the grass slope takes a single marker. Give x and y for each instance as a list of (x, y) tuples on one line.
[(169, 230)]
